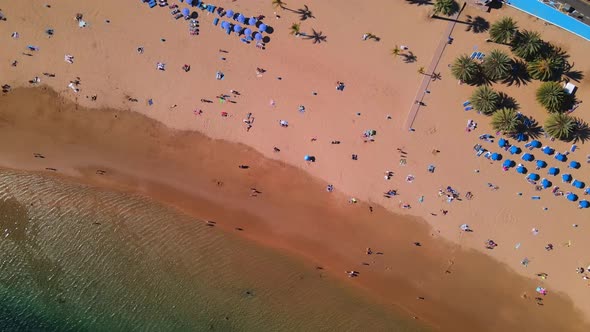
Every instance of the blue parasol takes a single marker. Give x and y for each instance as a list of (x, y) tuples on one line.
[(237, 28), (248, 32), (521, 169), (186, 11), (541, 164), (508, 163), (230, 13), (241, 18), (566, 178), (514, 149), (553, 171), (574, 164), (528, 157), (252, 21), (584, 204), (535, 144), (545, 183), (496, 156), (572, 197), (224, 24), (262, 27), (258, 36), (561, 157), (502, 142), (578, 184), (548, 150), (533, 176)]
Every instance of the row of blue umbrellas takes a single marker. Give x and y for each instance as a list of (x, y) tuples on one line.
[(242, 20), (227, 26)]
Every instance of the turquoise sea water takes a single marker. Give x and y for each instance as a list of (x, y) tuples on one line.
[(75, 258)]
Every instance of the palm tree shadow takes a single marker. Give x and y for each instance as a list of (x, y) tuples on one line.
[(317, 37), (518, 75), (409, 57), (582, 132), (531, 128), (570, 74), (477, 24), (507, 101), (304, 13), (419, 2)]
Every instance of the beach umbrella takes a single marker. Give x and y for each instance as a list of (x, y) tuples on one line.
[(514, 149), (584, 204), (237, 28), (566, 178), (252, 21), (572, 197), (186, 11), (521, 169), (535, 144), (230, 13), (541, 164), (508, 163), (533, 176), (553, 171), (248, 32), (224, 24), (548, 150), (258, 36), (545, 183), (528, 157), (241, 18), (574, 164), (561, 157), (502, 142), (262, 27), (578, 184), (496, 156)]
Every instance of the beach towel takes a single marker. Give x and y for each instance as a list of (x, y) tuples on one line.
[(468, 108)]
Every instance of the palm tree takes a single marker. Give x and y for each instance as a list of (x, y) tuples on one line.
[(295, 29), (503, 31), (560, 126), (445, 7), (545, 69), (465, 69), (506, 120), (497, 65), (396, 51), (527, 44), (551, 95), (485, 100), (279, 4)]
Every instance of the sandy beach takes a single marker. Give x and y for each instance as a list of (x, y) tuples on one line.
[(170, 161)]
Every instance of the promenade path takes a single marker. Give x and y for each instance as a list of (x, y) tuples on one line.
[(417, 102)]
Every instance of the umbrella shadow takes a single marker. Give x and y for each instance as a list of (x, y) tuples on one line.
[(531, 128), (518, 75), (316, 36)]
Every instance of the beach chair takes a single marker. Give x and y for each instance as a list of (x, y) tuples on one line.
[(152, 3), (477, 55), (480, 56), (215, 21), (174, 12), (472, 56), (467, 102), (480, 152), (468, 108), (244, 40), (177, 16)]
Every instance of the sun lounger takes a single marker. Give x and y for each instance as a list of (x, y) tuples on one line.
[(468, 108), (215, 21), (244, 40), (480, 152), (487, 155), (472, 56), (152, 4), (480, 56), (536, 197), (467, 102), (177, 16), (174, 12)]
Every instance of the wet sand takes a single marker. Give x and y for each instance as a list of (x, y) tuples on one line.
[(462, 289)]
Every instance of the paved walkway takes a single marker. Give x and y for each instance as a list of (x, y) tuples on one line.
[(416, 103)]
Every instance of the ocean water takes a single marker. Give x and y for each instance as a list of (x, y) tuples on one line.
[(77, 258)]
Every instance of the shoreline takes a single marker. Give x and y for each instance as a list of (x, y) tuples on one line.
[(307, 222)]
